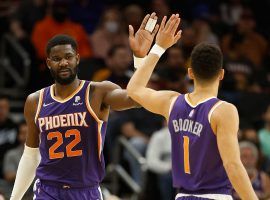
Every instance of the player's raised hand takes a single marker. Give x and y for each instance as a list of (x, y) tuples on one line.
[(167, 35), (142, 41)]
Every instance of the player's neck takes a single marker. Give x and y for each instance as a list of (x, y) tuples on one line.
[(205, 90), (63, 91)]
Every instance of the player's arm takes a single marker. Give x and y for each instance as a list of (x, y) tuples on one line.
[(115, 97), (155, 101), (31, 155), (225, 122)]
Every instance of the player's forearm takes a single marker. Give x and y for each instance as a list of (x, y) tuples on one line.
[(240, 180), (142, 75), (26, 172)]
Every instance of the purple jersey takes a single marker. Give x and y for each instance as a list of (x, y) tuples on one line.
[(71, 139), (196, 163)]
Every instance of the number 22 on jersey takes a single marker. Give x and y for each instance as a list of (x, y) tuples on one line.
[(59, 141)]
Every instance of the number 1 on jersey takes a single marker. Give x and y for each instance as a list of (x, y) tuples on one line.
[(186, 154)]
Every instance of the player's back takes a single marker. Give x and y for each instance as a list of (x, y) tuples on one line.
[(196, 163), (71, 139)]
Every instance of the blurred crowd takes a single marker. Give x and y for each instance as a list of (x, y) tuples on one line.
[(240, 27)]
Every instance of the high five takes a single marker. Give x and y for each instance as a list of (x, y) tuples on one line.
[(205, 150)]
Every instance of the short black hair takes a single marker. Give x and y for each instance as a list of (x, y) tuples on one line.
[(206, 61), (61, 40)]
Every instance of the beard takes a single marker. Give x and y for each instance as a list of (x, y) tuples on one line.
[(64, 80)]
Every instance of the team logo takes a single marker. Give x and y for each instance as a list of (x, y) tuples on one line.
[(77, 101), (45, 105), (191, 113)]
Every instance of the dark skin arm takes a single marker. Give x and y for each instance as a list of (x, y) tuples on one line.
[(30, 108), (106, 95)]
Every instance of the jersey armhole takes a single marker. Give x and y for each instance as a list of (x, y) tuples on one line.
[(87, 102), (40, 101), (172, 104), (99, 122), (213, 109)]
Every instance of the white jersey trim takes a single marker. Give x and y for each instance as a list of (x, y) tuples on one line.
[(172, 104), (40, 101), (194, 106), (212, 109), (209, 196)]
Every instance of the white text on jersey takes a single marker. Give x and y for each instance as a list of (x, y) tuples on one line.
[(72, 119), (187, 125)]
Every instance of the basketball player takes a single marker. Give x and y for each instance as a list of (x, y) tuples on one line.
[(66, 127), (205, 150)]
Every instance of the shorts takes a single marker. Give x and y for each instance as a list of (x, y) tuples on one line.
[(48, 192), (181, 196), (191, 198)]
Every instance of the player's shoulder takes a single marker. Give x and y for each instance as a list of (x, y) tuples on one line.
[(224, 110), (33, 97)]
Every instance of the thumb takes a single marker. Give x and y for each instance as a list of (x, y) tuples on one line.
[(131, 31)]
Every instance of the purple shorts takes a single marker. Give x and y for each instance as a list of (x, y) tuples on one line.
[(48, 192), (191, 198)]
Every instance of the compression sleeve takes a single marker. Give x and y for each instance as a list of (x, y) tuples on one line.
[(26, 172)]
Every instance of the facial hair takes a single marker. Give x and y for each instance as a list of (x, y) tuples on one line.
[(64, 81)]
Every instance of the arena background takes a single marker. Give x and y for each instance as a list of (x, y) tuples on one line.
[(138, 166)]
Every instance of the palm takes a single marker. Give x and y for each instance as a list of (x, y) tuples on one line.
[(141, 43)]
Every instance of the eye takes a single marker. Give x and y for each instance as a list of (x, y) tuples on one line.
[(56, 59), (69, 57)]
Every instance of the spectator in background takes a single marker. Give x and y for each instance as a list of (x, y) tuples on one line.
[(253, 45), (231, 11), (161, 8), (117, 66), (8, 131), (138, 126), (86, 12), (58, 23), (238, 67), (13, 156), (133, 15), (26, 16), (172, 71), (264, 136), (7, 9), (260, 180), (2, 196), (203, 30), (188, 41), (110, 32), (158, 158)]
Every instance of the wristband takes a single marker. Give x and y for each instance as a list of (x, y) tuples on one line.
[(138, 61), (158, 50)]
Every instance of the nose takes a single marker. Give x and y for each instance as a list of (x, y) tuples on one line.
[(63, 62)]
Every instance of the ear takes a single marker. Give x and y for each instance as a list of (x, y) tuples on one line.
[(48, 62), (78, 58), (190, 73), (221, 74)]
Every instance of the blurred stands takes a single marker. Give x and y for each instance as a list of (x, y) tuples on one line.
[(239, 27)]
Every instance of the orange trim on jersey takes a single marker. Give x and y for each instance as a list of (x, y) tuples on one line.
[(40, 101), (100, 122), (99, 140), (69, 97)]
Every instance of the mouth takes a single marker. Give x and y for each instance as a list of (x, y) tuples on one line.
[(64, 72)]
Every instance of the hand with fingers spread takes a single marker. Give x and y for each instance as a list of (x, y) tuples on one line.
[(142, 41), (167, 35)]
